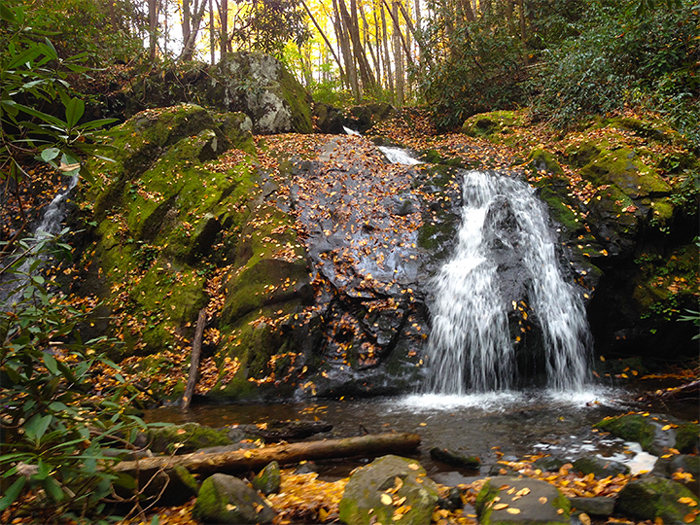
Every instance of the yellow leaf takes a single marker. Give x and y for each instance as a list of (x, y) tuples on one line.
[(689, 518), (583, 518), (688, 501), (666, 427), (385, 499), (543, 500), (524, 492), (413, 466), (513, 511), (500, 506)]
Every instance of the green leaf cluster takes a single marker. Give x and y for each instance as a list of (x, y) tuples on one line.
[(59, 438)]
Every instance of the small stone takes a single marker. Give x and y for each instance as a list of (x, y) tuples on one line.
[(227, 499), (269, 479)]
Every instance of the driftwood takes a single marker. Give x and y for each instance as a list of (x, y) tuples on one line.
[(687, 391), (194, 360), (255, 459)]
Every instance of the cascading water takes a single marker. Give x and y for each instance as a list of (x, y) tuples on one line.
[(50, 225), (471, 347)]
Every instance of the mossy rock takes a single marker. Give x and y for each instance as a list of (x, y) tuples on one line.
[(651, 497), (269, 479), (652, 433), (261, 87), (658, 130), (580, 154), (541, 503), (623, 168), (541, 160), (613, 220), (183, 439), (488, 124), (227, 499), (562, 210), (371, 491)]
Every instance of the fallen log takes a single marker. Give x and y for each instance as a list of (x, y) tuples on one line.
[(255, 459), (194, 360)]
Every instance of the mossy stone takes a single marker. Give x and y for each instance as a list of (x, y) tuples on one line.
[(540, 504), (269, 479), (651, 497), (227, 499), (580, 154), (182, 439), (372, 489), (488, 124), (630, 427), (542, 160), (623, 168)]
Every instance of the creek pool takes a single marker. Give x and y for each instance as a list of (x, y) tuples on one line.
[(506, 425)]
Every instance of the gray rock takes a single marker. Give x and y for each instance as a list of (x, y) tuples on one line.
[(549, 463), (392, 490), (601, 468), (652, 497), (260, 86), (682, 463), (506, 499), (455, 457), (227, 499), (596, 506), (269, 479)]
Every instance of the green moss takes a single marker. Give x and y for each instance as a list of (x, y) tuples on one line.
[(542, 160), (623, 168), (651, 497), (580, 154), (687, 438), (488, 124), (183, 439), (630, 427)]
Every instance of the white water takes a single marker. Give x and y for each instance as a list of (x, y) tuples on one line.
[(50, 225), (398, 156), (471, 348)]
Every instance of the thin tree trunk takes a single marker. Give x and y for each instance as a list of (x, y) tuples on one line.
[(523, 31), (325, 38), (194, 359), (387, 59), (192, 31), (397, 29), (347, 54), (212, 35), (152, 27), (368, 44), (224, 43), (352, 26), (398, 57)]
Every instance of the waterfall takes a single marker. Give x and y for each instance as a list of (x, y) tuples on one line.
[(471, 346), (398, 156), (50, 225)]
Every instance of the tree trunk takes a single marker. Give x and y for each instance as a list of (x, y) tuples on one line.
[(254, 459), (357, 47), (523, 29), (342, 35), (325, 38), (387, 59), (194, 359), (190, 30), (152, 28), (224, 44), (398, 57)]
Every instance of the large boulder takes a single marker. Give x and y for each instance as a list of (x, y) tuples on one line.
[(654, 434), (261, 87), (391, 489)]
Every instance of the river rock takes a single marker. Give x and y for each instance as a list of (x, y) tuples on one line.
[(595, 506), (652, 497), (549, 463), (269, 479), (227, 499), (654, 434), (684, 466), (455, 458), (600, 468), (391, 489), (505, 499)]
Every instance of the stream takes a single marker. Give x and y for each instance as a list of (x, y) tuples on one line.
[(491, 425)]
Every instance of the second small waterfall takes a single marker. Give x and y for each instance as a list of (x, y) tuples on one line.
[(472, 346)]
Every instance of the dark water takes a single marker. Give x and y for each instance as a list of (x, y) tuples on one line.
[(535, 422)]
